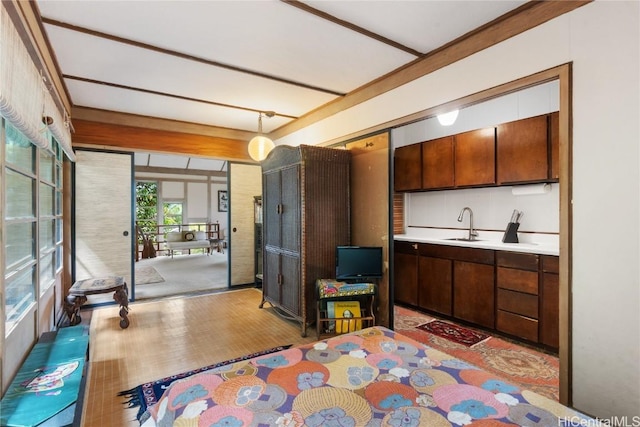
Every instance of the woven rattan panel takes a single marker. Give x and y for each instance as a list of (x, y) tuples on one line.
[(321, 199)]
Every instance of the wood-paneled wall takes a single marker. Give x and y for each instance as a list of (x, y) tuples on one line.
[(370, 207)]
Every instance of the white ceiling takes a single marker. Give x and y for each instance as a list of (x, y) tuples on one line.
[(154, 160), (219, 63)]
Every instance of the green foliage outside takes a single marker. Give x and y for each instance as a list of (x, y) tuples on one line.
[(147, 207), (172, 213)]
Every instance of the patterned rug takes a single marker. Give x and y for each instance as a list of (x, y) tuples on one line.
[(148, 394), (532, 369), (454, 333), (147, 274)]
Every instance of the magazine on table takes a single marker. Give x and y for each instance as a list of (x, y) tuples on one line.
[(347, 315)]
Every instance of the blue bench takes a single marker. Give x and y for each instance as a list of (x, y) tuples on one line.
[(49, 381)]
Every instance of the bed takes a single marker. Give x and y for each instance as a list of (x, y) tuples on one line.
[(371, 377)]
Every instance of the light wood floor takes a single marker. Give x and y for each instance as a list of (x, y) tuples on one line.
[(172, 336)]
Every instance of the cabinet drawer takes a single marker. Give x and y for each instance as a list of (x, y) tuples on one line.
[(517, 260), (400, 246), (516, 325), (518, 280), (458, 253), (518, 303)]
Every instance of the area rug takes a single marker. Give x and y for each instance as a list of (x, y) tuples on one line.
[(149, 393), (528, 367), (147, 274), (454, 332)]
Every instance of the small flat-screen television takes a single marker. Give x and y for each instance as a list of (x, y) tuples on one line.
[(358, 262)]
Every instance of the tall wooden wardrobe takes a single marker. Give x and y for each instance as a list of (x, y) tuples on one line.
[(305, 194)]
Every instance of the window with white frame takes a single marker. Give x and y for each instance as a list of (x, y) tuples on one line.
[(20, 224), (32, 220)]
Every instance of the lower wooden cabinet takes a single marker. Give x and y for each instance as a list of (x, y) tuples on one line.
[(549, 302), (473, 291), (517, 288), (405, 273), (435, 288), (517, 325), (510, 292)]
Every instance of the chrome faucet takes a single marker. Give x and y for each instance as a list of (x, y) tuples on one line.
[(472, 233)]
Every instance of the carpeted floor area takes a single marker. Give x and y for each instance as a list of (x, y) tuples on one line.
[(147, 274), (182, 274), (531, 369)]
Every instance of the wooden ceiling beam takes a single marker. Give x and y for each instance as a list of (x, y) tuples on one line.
[(135, 120), (133, 138)]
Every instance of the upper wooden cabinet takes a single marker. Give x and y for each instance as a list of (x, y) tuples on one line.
[(438, 163), (523, 150), (518, 152), (475, 158), (407, 168)]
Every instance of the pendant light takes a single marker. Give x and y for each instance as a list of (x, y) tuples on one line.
[(260, 145)]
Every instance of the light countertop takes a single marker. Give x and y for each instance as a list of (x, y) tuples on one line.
[(542, 244)]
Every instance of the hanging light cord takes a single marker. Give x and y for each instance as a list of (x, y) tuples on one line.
[(266, 114), (260, 124)]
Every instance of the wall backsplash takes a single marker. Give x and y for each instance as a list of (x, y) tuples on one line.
[(492, 208)]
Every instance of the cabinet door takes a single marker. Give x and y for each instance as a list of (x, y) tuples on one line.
[(475, 157), (290, 209), (522, 148), (405, 273), (550, 302), (271, 204), (473, 292), (437, 163), (549, 313), (290, 283), (407, 168), (271, 275), (435, 284)]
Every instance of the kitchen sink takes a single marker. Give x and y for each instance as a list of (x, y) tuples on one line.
[(463, 239)]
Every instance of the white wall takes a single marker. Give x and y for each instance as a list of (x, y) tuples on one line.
[(601, 39), (216, 216), (606, 255)]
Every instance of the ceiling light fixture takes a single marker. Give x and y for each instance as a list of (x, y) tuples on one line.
[(260, 145), (447, 119)]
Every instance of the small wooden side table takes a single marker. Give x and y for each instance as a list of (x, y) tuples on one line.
[(333, 290), (80, 289)]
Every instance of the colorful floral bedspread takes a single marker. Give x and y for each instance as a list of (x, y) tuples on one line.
[(372, 377)]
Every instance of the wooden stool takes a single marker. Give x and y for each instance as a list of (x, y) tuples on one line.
[(79, 291)]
